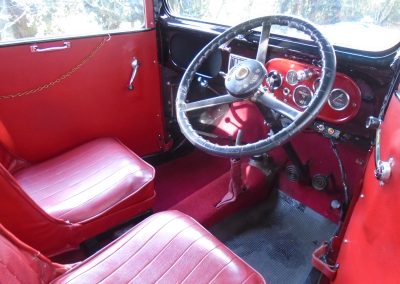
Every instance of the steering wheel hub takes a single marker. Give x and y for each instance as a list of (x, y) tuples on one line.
[(241, 73), (244, 78)]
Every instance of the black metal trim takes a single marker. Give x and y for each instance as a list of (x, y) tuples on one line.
[(394, 84)]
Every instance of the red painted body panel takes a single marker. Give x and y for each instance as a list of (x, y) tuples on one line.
[(370, 252), (93, 102), (327, 113)]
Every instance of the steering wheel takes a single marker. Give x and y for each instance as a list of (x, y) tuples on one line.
[(245, 80)]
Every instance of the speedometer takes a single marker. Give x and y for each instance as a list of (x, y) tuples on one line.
[(302, 96), (338, 99)]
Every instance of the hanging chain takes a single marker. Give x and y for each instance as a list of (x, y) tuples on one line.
[(61, 78)]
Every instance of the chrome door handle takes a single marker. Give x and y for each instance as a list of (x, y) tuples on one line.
[(383, 169), (135, 66), (35, 48)]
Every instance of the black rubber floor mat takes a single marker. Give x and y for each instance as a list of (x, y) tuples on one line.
[(277, 237)]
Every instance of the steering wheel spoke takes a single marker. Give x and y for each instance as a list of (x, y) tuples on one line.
[(224, 99), (269, 101), (263, 43)]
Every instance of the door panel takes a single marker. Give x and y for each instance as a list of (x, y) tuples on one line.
[(370, 252), (92, 102)]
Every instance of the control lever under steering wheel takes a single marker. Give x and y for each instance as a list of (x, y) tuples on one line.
[(245, 82)]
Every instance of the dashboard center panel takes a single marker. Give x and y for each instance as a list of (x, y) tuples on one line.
[(295, 84), (300, 82)]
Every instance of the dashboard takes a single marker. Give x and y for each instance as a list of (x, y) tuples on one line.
[(363, 77), (295, 83)]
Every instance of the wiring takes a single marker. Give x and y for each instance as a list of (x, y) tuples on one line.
[(343, 177)]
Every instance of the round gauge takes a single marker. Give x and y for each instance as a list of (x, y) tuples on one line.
[(316, 84), (302, 96), (291, 77), (338, 99)]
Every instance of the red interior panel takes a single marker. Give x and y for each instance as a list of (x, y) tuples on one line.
[(370, 251), (343, 82), (93, 102)]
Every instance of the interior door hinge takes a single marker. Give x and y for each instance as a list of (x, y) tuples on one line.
[(165, 143)]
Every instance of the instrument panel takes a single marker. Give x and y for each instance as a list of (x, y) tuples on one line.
[(295, 84)]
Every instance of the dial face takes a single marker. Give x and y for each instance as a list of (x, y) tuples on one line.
[(291, 77), (302, 96), (338, 99)]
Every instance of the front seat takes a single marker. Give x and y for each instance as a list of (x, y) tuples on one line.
[(168, 247), (59, 203)]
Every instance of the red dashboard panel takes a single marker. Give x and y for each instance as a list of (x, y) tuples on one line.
[(345, 98)]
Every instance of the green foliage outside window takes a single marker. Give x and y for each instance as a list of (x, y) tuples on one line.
[(41, 18), (364, 24), (384, 12)]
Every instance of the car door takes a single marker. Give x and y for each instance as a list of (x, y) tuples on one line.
[(65, 71), (370, 250)]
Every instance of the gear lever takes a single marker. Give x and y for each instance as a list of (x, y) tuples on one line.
[(236, 186)]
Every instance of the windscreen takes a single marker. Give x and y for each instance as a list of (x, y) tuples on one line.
[(372, 25)]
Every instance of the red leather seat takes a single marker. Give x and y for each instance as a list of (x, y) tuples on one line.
[(168, 247), (76, 195)]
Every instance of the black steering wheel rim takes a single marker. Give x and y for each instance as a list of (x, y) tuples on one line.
[(328, 73)]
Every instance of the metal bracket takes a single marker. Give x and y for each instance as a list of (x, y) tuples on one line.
[(165, 143)]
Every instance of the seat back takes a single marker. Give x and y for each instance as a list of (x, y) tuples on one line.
[(20, 214), (19, 263), (99, 184)]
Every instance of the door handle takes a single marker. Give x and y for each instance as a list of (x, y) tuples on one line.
[(35, 48), (383, 169), (135, 66)]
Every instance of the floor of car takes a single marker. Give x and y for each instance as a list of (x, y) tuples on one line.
[(195, 183), (276, 237), (181, 177)]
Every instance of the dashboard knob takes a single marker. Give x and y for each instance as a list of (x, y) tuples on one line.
[(274, 80), (303, 75)]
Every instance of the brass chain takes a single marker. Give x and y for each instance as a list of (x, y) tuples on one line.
[(62, 77)]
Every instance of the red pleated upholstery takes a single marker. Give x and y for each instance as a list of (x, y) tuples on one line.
[(59, 203), (87, 180), (168, 247)]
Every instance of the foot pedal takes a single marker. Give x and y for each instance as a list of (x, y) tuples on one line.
[(319, 182), (292, 173)]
